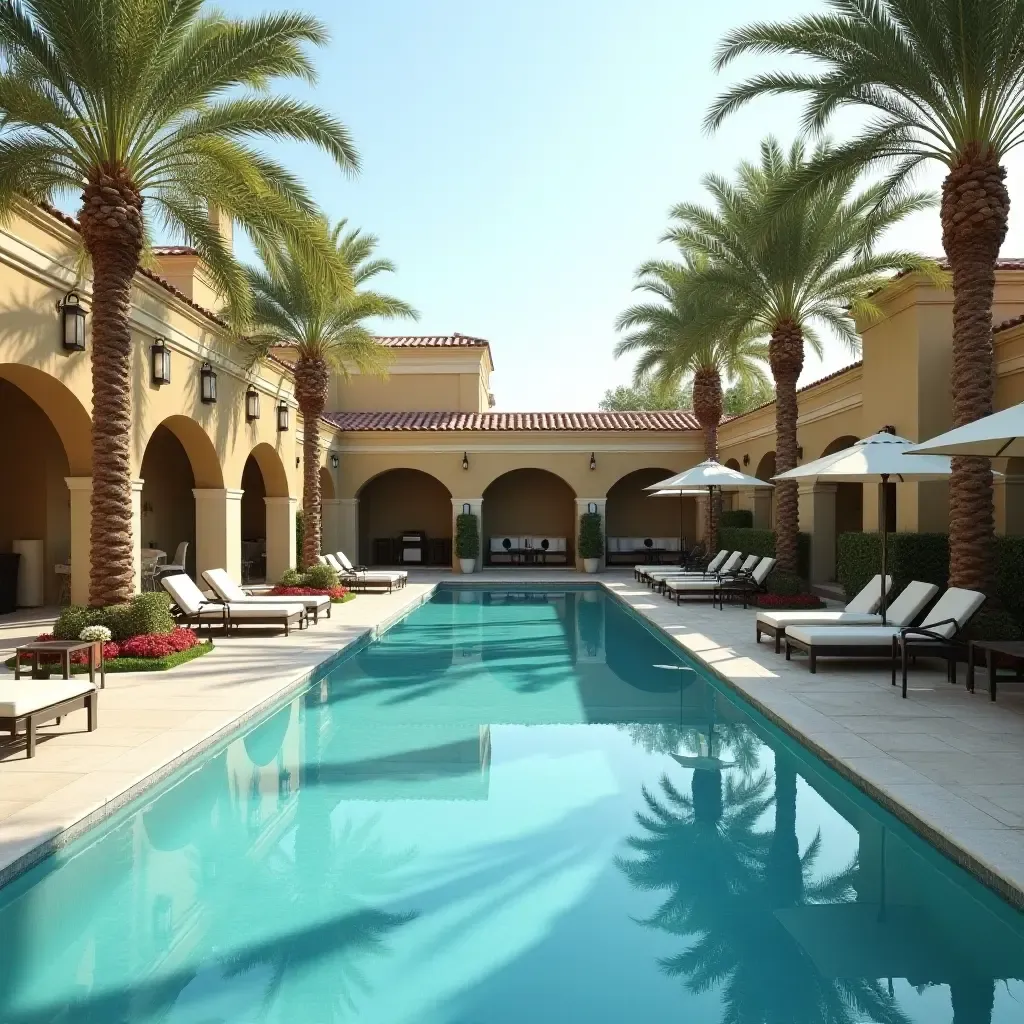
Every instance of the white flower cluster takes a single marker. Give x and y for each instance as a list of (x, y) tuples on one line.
[(94, 634)]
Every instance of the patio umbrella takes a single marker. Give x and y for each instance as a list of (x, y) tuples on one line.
[(680, 492), (880, 457), (1000, 435), (706, 476)]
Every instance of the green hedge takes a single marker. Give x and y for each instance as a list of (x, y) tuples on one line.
[(467, 536), (925, 556), (762, 542), (591, 535), (737, 519), (144, 614)]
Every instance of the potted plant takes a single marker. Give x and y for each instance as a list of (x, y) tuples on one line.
[(591, 541), (467, 541)]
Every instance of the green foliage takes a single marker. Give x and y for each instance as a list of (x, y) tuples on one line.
[(784, 583), (290, 578), (467, 536), (322, 577), (591, 535), (646, 395), (745, 395), (739, 518), (993, 624), (145, 614), (179, 99), (762, 542), (300, 532)]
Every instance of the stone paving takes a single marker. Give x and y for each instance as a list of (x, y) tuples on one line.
[(949, 763)]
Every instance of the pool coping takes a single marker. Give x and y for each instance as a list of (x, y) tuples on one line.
[(302, 680), (973, 863)]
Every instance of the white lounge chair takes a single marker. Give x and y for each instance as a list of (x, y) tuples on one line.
[(733, 563), (860, 611), (364, 580), (228, 590), (196, 607), (944, 622), (748, 579), (362, 570), (28, 704), (649, 572)]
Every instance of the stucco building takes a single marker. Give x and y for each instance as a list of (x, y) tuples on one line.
[(408, 452)]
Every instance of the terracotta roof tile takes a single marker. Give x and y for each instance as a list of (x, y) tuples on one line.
[(529, 421), (1005, 325), (433, 341), (175, 250)]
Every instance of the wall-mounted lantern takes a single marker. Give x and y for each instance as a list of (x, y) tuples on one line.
[(334, 460), (799, 452), (252, 405), (465, 461), (746, 460), (282, 417), (888, 429), (592, 507), (593, 462), (72, 325), (298, 459), (160, 362), (466, 508), (207, 384)]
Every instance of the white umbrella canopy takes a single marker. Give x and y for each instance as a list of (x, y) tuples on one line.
[(880, 457), (678, 492), (999, 436), (707, 475)]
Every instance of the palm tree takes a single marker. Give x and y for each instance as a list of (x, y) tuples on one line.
[(146, 105), (783, 272), (940, 81), (296, 305), (674, 346)]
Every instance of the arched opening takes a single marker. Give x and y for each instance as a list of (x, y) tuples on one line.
[(529, 517), (733, 464), (849, 496), (405, 503), (179, 457), (641, 527), (263, 476), (764, 513), (49, 440)]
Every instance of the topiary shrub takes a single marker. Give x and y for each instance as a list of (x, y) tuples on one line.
[(739, 519), (322, 577), (145, 614), (467, 536), (290, 578), (591, 535)]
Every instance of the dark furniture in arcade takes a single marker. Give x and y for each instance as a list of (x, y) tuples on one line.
[(995, 654)]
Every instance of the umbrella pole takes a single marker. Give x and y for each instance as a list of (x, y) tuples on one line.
[(680, 559), (885, 537)]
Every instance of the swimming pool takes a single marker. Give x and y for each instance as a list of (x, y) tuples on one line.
[(518, 805)]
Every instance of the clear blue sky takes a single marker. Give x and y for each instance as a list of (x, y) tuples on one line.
[(519, 161)]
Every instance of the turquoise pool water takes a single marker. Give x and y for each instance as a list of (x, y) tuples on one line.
[(518, 806)]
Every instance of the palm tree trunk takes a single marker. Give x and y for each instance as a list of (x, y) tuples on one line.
[(975, 210), (112, 229), (707, 407), (973, 1000), (785, 874), (312, 379), (786, 357)]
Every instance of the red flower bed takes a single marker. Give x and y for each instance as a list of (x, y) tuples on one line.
[(334, 593), (159, 645), (792, 601)]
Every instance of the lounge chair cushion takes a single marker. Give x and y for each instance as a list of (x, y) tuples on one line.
[(870, 595), (228, 590), (243, 610), (783, 620), (25, 696), (906, 609)]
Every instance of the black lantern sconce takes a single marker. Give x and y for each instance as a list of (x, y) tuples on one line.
[(746, 460), (252, 405), (593, 462), (888, 429), (282, 417), (465, 461), (207, 384), (466, 508), (334, 460), (160, 362), (298, 459), (799, 452), (72, 325)]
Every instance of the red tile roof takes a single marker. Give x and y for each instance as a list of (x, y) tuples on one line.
[(560, 421), (455, 340), (174, 250), (1005, 325)]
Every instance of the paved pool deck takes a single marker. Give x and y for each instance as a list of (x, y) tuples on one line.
[(949, 763)]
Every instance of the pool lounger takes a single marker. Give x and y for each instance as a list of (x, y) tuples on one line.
[(644, 573), (734, 563), (400, 575), (365, 580), (196, 607), (745, 580), (228, 590), (862, 610), (941, 626), (30, 703)]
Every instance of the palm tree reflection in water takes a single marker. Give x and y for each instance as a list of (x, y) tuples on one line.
[(724, 878)]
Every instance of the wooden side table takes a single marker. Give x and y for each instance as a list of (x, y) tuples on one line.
[(64, 649), (992, 650)]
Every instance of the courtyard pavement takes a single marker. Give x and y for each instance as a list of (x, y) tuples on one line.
[(949, 763)]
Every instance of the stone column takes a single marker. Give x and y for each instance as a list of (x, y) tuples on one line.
[(218, 531), (330, 522), (280, 536), (583, 505), (1009, 495), (476, 508), (137, 535), (347, 538), (80, 488), (817, 508)]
